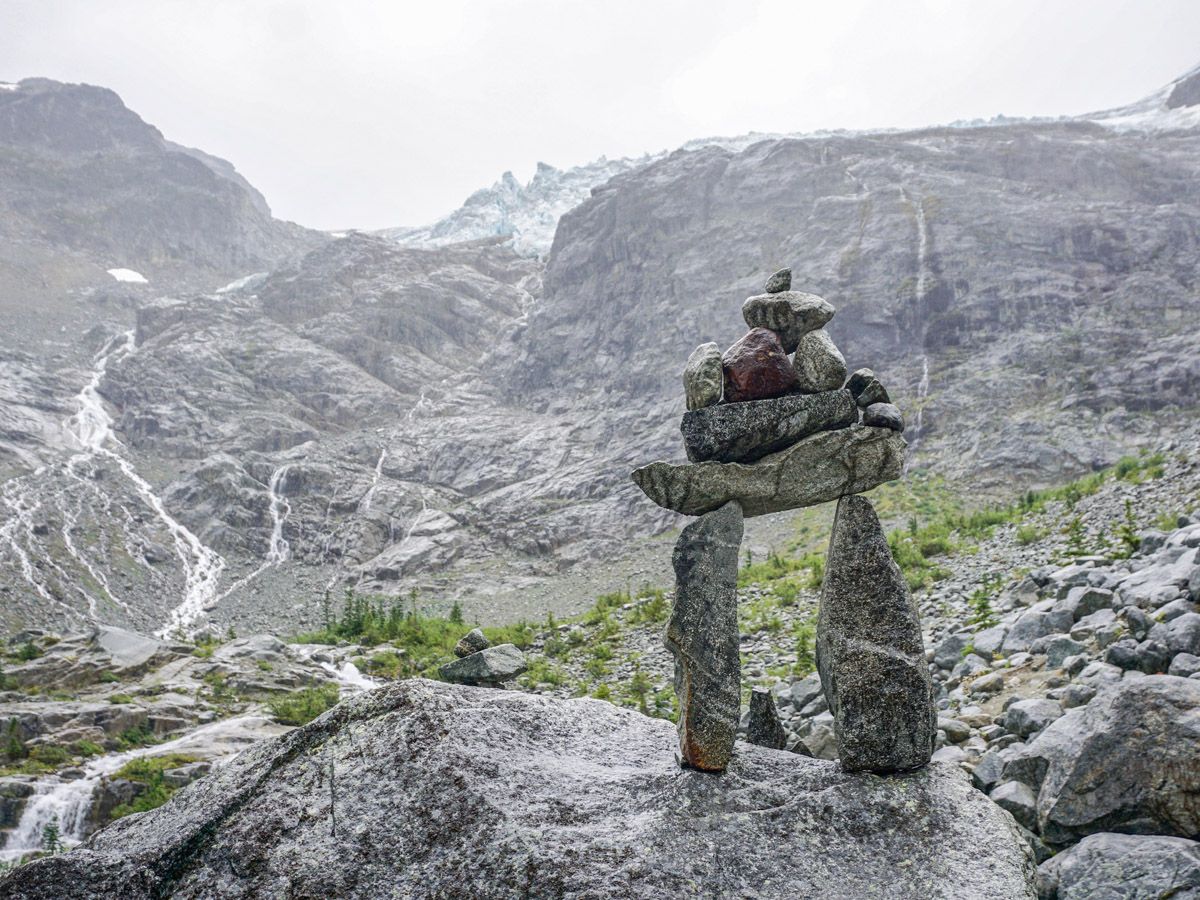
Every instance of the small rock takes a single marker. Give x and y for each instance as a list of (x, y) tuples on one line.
[(1026, 717), (1019, 800), (764, 727), (988, 684), (471, 642), (956, 731), (819, 364), (883, 415), (780, 281), (1184, 665), (757, 368), (492, 665), (873, 393), (1076, 695), (703, 377)]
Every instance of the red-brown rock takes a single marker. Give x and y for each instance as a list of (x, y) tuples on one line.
[(756, 368)]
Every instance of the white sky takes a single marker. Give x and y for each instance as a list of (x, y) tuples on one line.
[(349, 113)]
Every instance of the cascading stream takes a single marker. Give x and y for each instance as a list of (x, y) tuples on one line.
[(92, 429)]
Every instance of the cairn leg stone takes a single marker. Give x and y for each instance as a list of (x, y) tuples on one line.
[(764, 727), (702, 635), (869, 650)]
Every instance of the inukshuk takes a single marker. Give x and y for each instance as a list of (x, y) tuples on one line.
[(774, 424)]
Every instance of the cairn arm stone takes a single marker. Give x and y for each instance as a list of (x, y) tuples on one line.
[(870, 653), (745, 432), (702, 635), (817, 469)]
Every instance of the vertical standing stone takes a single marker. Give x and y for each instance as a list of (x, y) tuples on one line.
[(869, 650), (702, 635), (764, 727)]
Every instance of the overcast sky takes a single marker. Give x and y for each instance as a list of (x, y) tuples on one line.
[(349, 113)]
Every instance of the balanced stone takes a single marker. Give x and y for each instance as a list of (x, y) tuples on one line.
[(764, 727), (471, 642), (819, 364), (858, 380), (702, 635), (883, 415), (867, 389), (745, 432), (869, 650), (702, 376), (757, 368), (791, 314), (819, 468), (490, 665), (780, 281)]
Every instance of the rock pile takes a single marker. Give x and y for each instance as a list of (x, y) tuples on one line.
[(480, 663), (766, 432)]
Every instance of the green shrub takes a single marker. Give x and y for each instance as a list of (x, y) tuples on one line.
[(301, 707), (120, 698), (148, 771), (1029, 534), (137, 736)]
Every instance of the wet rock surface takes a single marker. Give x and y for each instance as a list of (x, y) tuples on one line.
[(498, 760), (746, 432), (702, 635), (870, 652)]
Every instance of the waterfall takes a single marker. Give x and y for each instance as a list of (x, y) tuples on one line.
[(280, 510), (69, 802), (91, 427)]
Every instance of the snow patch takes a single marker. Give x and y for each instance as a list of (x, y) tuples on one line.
[(129, 276), (7, 86)]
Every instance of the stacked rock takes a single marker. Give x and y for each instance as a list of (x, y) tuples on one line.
[(480, 663), (774, 424)]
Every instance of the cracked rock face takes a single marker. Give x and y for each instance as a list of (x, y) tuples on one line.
[(819, 468), (869, 650), (434, 790), (702, 635), (745, 432)]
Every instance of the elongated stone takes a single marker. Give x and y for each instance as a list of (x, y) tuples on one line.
[(703, 376), (869, 650), (821, 467), (790, 314), (764, 727), (702, 635), (745, 432)]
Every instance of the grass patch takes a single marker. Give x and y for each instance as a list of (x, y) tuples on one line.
[(148, 771), (301, 707)]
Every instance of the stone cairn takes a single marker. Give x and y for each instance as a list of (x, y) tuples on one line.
[(479, 663), (766, 432)]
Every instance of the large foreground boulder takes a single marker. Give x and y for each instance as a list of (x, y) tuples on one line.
[(821, 467), (421, 789)]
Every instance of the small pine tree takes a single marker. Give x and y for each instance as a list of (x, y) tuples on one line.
[(1075, 538), (1127, 533), (456, 613), (52, 837), (14, 746)]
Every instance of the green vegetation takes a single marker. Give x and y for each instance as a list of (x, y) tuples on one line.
[(137, 736), (301, 707), (26, 652), (52, 837), (120, 698), (148, 771), (1029, 534), (426, 640)]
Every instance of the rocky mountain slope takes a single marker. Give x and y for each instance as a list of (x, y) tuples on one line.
[(461, 419)]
